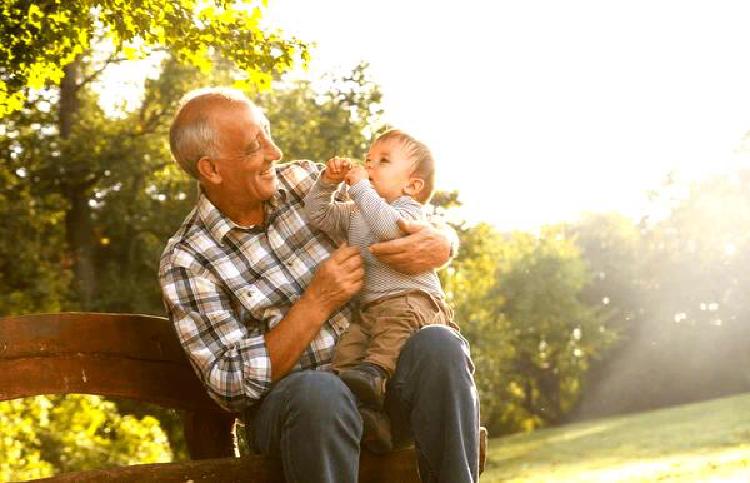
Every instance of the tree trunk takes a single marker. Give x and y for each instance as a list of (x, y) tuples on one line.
[(80, 238), (78, 226), (68, 99)]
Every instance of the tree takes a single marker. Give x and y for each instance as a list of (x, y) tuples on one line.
[(612, 248), (468, 284), (55, 43), (518, 300), (318, 125), (554, 333), (48, 41)]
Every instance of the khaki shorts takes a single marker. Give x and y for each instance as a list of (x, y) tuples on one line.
[(385, 324)]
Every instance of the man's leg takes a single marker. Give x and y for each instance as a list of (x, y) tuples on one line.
[(310, 420), (433, 394)]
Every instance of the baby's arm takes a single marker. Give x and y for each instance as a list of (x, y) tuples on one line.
[(322, 211), (381, 217)]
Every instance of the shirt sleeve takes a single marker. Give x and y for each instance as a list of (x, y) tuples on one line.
[(299, 176), (326, 214), (381, 217), (231, 360)]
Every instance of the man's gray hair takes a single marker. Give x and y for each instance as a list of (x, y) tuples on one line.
[(193, 134)]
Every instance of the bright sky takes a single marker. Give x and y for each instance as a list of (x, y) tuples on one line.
[(540, 110)]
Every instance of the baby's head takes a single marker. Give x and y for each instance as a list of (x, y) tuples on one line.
[(398, 164)]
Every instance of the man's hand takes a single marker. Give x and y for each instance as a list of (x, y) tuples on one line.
[(336, 169), (336, 280), (423, 248), (333, 284), (355, 175)]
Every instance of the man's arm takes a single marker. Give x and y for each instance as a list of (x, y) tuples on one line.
[(336, 280), (426, 246), (237, 363), (231, 358)]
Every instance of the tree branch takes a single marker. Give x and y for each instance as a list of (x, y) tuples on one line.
[(96, 73), (113, 59)]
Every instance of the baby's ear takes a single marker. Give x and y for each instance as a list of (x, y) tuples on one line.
[(414, 186)]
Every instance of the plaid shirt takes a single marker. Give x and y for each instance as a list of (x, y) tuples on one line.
[(225, 285)]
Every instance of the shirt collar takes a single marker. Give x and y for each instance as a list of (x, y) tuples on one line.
[(218, 225)]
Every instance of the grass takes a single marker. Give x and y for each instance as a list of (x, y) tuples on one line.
[(707, 442)]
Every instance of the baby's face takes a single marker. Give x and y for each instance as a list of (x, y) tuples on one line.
[(389, 168)]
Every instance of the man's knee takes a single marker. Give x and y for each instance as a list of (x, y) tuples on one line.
[(319, 395), (441, 345)]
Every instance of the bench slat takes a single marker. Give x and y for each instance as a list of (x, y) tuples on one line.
[(166, 384), (396, 467), (136, 336)]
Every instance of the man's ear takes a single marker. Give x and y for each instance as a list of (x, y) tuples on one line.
[(414, 187), (208, 170)]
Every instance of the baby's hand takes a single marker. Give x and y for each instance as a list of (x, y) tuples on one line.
[(355, 174), (336, 169)]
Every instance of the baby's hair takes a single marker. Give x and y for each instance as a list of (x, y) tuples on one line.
[(419, 153)]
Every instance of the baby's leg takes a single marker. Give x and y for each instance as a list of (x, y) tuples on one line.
[(351, 348), (395, 320)]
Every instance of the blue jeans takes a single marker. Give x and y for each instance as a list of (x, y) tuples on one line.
[(310, 420)]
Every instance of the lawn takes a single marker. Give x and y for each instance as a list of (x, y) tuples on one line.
[(708, 441)]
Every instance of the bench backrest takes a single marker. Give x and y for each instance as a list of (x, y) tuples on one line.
[(131, 356)]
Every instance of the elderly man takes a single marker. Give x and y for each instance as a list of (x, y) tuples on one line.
[(259, 298)]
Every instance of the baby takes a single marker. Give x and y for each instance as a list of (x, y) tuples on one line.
[(396, 181)]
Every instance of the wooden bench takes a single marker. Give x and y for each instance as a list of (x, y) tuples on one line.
[(138, 357)]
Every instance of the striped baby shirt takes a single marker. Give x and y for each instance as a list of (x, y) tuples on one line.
[(365, 220)]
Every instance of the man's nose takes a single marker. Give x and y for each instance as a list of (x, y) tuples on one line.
[(273, 152)]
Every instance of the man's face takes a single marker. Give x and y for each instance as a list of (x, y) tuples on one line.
[(246, 154)]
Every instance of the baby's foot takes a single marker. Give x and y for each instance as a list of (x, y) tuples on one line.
[(367, 382)]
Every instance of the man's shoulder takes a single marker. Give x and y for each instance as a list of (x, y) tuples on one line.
[(179, 249)]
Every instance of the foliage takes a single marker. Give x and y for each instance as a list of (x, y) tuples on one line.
[(314, 125), (39, 39), (518, 300), (554, 333), (34, 270), (43, 435)]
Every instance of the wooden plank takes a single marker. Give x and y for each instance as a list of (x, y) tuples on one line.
[(396, 467), (168, 384), (246, 469), (137, 336)]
